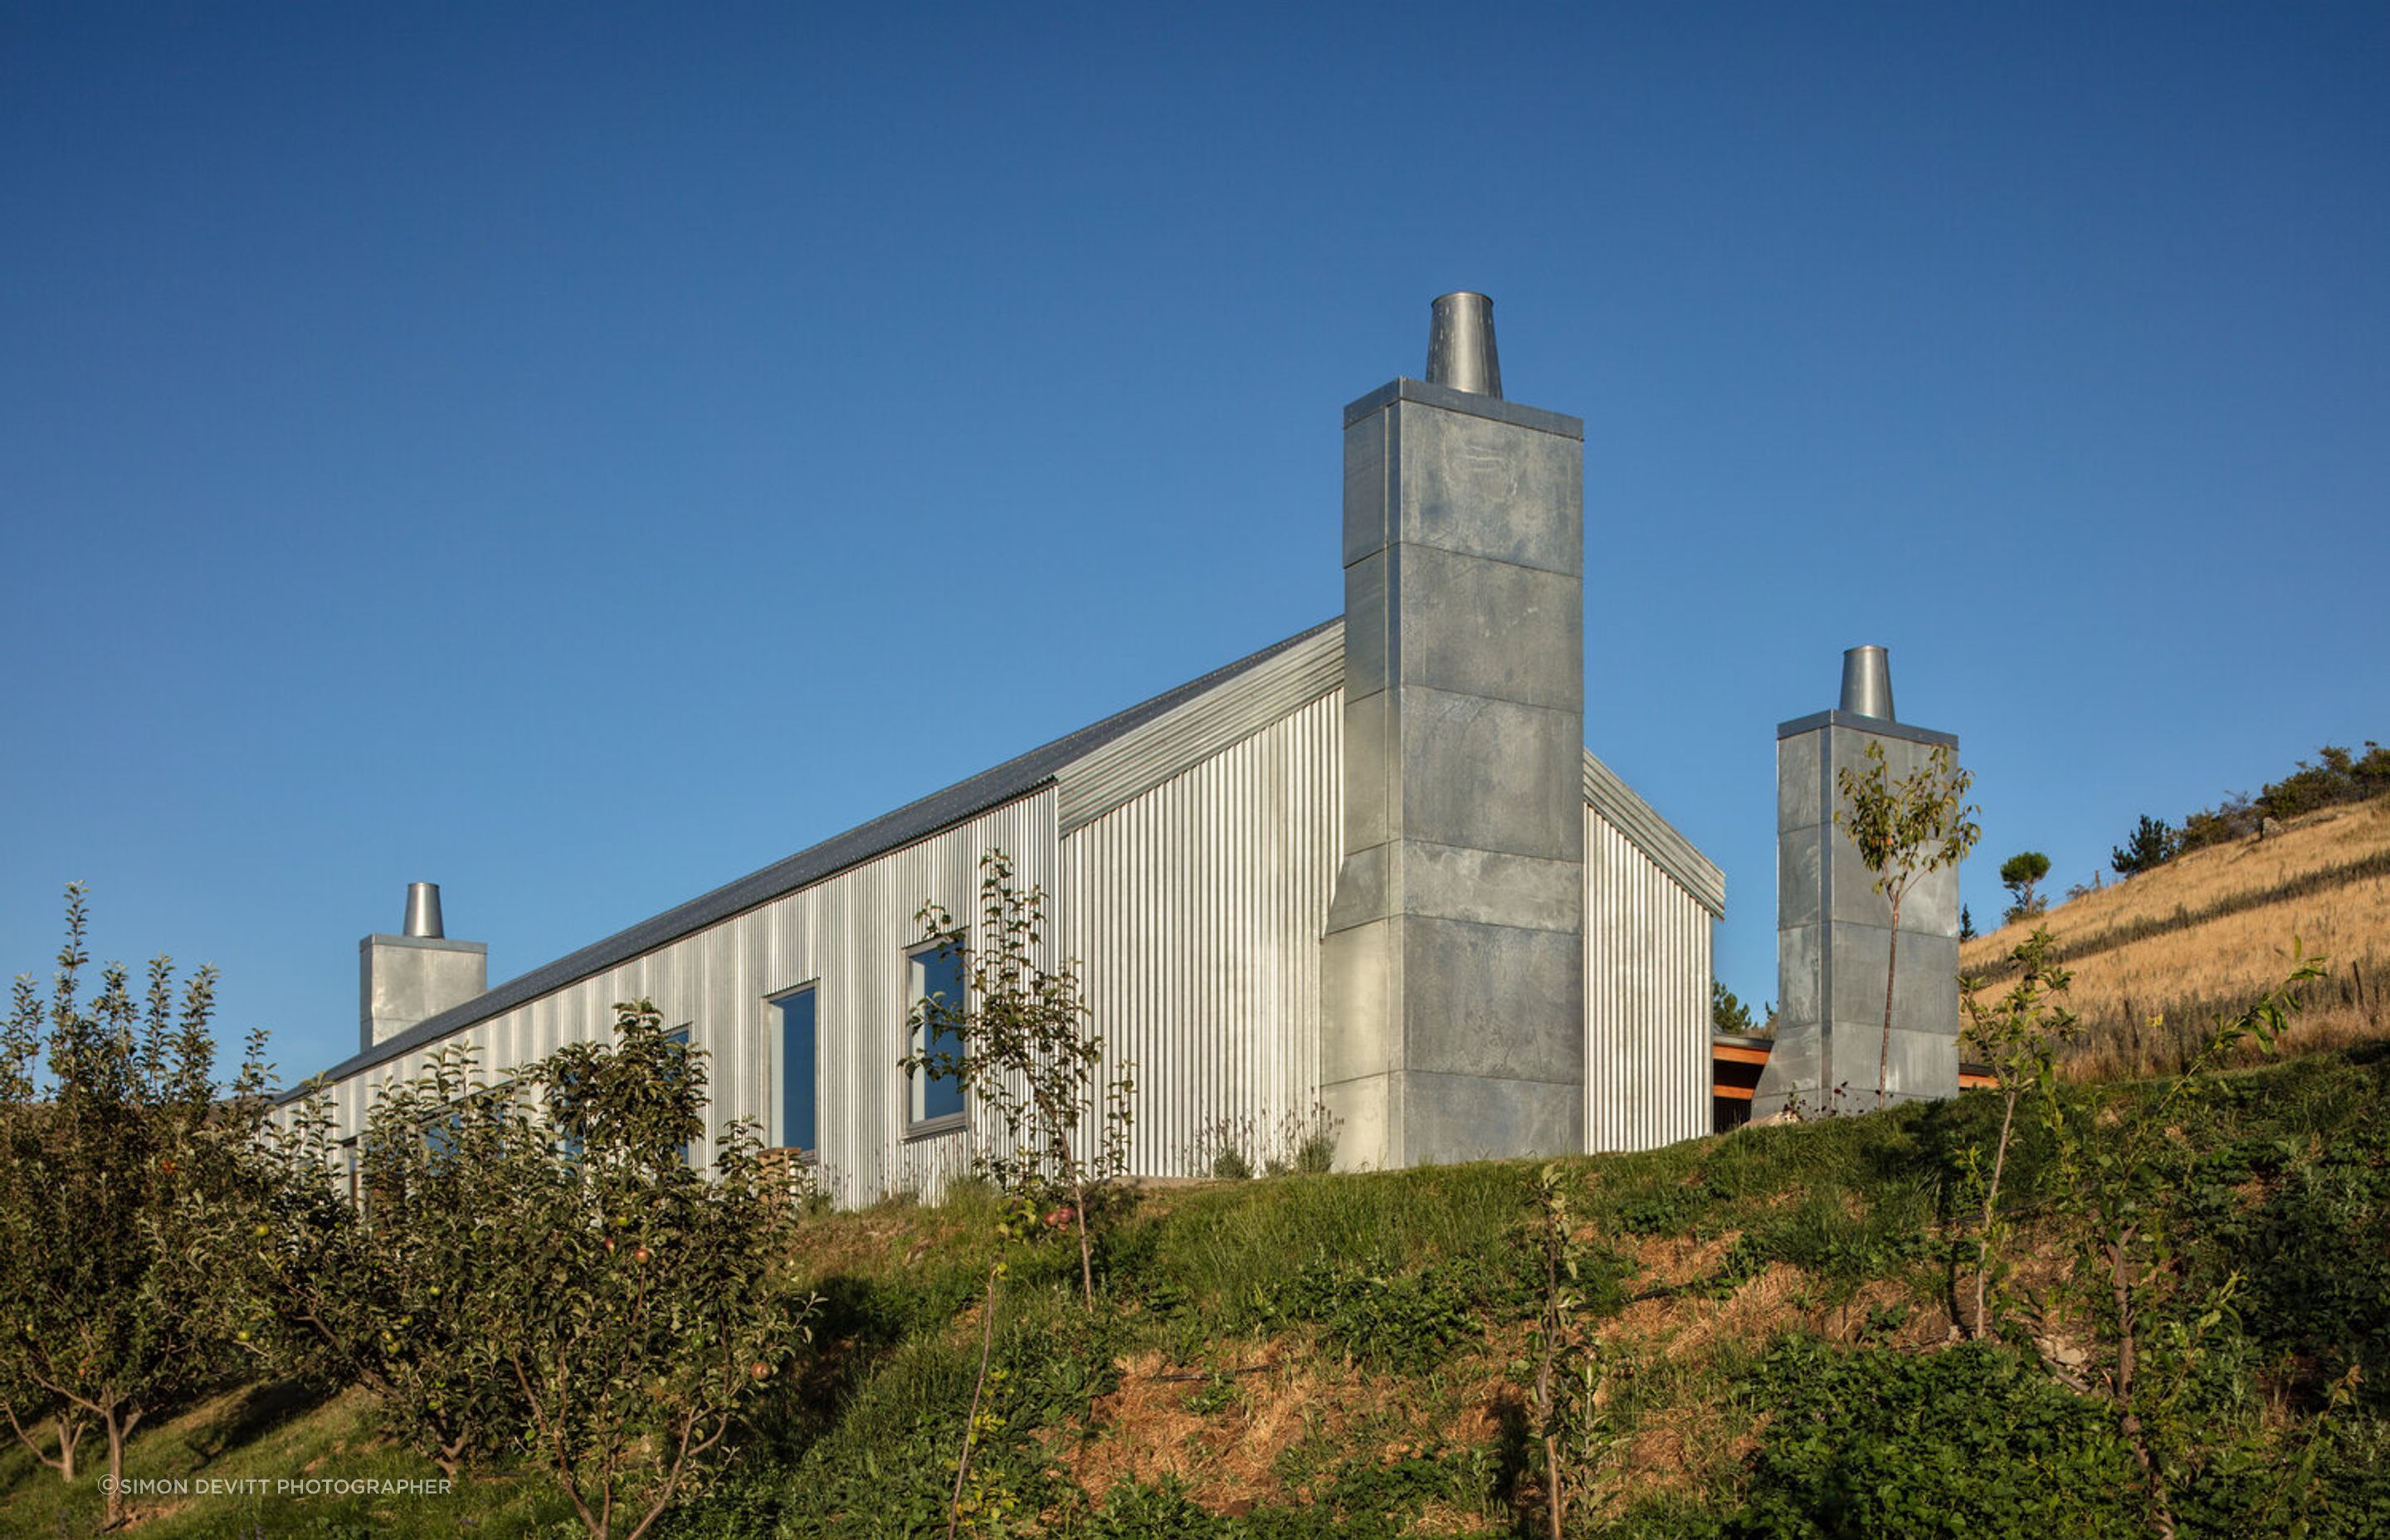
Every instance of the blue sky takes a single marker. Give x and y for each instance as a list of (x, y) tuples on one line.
[(578, 454)]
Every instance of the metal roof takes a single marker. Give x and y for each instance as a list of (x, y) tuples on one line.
[(940, 810), (1117, 757), (1135, 761), (1657, 837)]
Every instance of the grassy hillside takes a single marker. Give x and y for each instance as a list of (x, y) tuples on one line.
[(1769, 1353), (2191, 938)]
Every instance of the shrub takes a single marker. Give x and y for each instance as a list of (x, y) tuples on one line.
[(2337, 777), (1969, 1442)]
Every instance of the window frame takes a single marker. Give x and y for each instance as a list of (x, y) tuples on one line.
[(918, 1125), (776, 1047)]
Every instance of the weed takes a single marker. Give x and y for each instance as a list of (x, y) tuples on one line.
[(1404, 1321), (1238, 1148)]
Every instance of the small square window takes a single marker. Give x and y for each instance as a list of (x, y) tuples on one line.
[(936, 986)]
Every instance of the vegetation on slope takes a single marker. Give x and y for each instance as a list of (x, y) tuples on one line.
[(1342, 1355), (1768, 1323), (2157, 958)]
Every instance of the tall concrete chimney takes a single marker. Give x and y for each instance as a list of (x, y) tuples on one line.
[(1833, 931), (406, 979), (1453, 966)]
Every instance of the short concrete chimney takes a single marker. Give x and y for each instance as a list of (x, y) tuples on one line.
[(1833, 931), (406, 979)]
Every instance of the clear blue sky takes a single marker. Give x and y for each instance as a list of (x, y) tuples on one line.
[(578, 454)]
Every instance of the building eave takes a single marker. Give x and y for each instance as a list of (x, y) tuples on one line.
[(1015, 778)]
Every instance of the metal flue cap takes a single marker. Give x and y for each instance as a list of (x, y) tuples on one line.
[(423, 911), (1460, 345), (1867, 682)]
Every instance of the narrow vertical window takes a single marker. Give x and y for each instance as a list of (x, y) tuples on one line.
[(678, 1038), (794, 1120), (936, 987)]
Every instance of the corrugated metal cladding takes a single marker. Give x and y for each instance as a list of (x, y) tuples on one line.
[(1654, 836), (1197, 911), (1301, 672), (1646, 997), (1191, 859), (848, 935)]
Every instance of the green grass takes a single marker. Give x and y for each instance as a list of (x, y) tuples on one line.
[(265, 1435)]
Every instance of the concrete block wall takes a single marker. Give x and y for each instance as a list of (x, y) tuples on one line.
[(1453, 976), (1834, 936)]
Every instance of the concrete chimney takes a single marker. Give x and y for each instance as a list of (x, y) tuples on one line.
[(1453, 966), (1833, 931), (407, 979)]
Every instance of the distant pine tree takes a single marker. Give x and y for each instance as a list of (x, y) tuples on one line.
[(2019, 874), (1727, 1013), (2152, 845)]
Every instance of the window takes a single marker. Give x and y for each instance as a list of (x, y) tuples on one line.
[(793, 1116), (935, 986), (678, 1038)]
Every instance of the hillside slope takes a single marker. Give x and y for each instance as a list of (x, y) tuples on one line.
[(1763, 1344), (2191, 940)]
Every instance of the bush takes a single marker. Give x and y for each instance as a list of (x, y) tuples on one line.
[(2337, 777), (1971, 1441)]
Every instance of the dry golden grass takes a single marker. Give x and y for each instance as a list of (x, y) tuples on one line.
[(2157, 949)]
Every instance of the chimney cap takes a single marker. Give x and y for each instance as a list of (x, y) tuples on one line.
[(423, 912), (1461, 344), (1867, 682)]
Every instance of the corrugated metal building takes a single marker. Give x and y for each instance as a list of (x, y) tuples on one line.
[(1194, 847)]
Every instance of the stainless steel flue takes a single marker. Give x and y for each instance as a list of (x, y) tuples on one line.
[(1867, 682), (1460, 345), (423, 911)]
